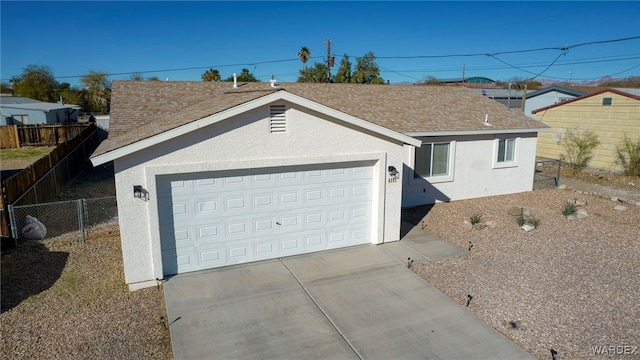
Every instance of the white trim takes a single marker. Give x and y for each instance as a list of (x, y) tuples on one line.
[(250, 105), (379, 164), (496, 147), (438, 178), (474, 132)]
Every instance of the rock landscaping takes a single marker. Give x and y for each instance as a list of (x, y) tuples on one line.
[(565, 287)]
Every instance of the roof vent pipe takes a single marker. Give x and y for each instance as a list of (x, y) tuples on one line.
[(235, 80), (486, 120), (272, 81)]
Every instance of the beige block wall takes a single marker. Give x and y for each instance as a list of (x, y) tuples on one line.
[(610, 123)]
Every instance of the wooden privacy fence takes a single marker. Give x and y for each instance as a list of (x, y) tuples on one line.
[(43, 180), (15, 136)]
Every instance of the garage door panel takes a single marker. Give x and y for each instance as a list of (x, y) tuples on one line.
[(210, 257), (210, 233), (239, 252), (266, 248), (208, 220)]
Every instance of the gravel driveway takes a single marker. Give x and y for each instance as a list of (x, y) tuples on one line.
[(567, 286)]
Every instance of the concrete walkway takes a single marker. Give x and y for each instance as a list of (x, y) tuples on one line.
[(355, 303)]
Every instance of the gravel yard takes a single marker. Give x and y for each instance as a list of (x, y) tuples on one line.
[(567, 285), (63, 299)]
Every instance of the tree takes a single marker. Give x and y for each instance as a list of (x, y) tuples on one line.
[(578, 145), (431, 80), (98, 91), (153, 78), (36, 82), (71, 95), (343, 75), (211, 75), (315, 74), (6, 88), (245, 76), (136, 76), (367, 71), (304, 54)]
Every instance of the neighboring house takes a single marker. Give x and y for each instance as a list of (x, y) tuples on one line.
[(611, 114), (24, 111), (511, 98), (469, 80), (548, 96), (209, 175)]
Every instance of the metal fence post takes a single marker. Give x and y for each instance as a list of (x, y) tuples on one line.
[(81, 218), (12, 222), (558, 177)]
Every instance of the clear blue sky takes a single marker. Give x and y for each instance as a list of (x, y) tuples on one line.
[(157, 38)]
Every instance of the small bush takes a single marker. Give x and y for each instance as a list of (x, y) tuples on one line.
[(476, 218), (628, 156), (578, 146), (569, 208), (521, 220)]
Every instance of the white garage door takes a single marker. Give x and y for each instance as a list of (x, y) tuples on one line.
[(209, 220)]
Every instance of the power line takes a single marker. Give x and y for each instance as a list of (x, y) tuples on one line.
[(492, 55)]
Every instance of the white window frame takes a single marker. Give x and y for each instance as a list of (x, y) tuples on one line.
[(496, 151), (415, 177)]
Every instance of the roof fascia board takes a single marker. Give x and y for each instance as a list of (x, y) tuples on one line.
[(250, 105), (613, 91), (474, 132)]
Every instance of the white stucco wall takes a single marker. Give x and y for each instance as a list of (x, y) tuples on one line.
[(245, 142), (474, 172)]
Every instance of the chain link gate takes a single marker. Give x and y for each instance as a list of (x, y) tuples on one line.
[(64, 217)]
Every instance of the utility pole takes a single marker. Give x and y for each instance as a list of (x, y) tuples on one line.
[(524, 97), (463, 71), (329, 60)]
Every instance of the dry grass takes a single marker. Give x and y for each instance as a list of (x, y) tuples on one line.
[(566, 286), (68, 300)]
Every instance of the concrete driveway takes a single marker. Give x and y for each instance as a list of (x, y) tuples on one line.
[(355, 303)]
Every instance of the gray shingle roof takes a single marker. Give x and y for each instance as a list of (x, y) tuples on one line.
[(30, 104), (141, 109)]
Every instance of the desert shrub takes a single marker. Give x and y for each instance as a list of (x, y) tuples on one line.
[(578, 148), (475, 218), (569, 208), (628, 156), (522, 219)]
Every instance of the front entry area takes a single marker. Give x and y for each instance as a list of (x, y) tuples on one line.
[(215, 219)]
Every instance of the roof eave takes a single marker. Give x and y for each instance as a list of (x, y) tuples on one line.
[(475, 132), (250, 105)]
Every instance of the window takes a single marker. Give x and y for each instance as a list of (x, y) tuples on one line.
[(278, 119), (506, 150), (432, 160), (606, 102), (20, 119)]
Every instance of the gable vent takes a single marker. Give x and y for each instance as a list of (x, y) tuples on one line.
[(278, 119)]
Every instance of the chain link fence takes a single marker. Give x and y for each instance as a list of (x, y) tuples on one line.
[(74, 218), (547, 173)]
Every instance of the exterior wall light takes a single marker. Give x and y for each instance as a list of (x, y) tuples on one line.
[(393, 174), (140, 193)]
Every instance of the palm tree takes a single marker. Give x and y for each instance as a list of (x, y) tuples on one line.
[(304, 55)]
